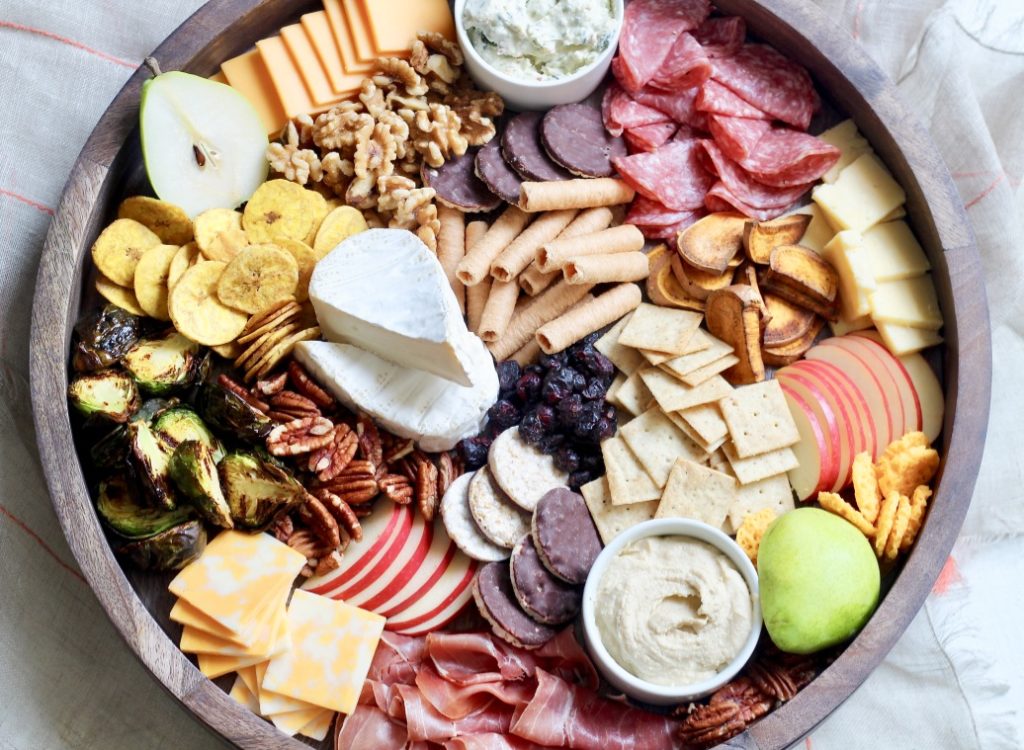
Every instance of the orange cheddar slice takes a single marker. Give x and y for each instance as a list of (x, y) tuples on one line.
[(318, 29), (291, 90), (359, 28), (343, 38), (308, 62), (249, 76), (393, 23), (218, 77)]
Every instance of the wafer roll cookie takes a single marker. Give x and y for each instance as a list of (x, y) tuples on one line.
[(561, 194), (600, 269), (522, 251), (476, 296), (451, 247), (625, 238), (537, 312), (501, 303), (476, 266), (528, 353), (569, 328), (533, 280)]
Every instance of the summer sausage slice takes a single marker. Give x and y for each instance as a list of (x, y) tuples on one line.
[(575, 138)]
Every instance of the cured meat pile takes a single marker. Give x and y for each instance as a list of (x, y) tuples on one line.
[(471, 691), (712, 122)]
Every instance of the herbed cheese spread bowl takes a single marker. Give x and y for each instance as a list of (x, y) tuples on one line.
[(696, 620), (110, 168)]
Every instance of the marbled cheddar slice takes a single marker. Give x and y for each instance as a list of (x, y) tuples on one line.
[(273, 639), (185, 614), (332, 646), (241, 693), (249, 76), (318, 728), (275, 703), (215, 665), (293, 721), (393, 23)]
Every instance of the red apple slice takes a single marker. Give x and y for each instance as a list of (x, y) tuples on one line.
[(815, 400), (442, 602), (812, 451), (450, 612), (440, 557), (864, 424), (391, 563), (893, 376)]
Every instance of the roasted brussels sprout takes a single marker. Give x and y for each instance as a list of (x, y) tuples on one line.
[(256, 490), (225, 411), (103, 337), (164, 364), (110, 395), (121, 510), (111, 450), (181, 423), (172, 549), (194, 473), (150, 455)]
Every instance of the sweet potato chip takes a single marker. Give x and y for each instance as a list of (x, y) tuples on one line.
[(184, 259), (166, 220), (710, 243), (752, 530), (119, 247), (899, 530), (733, 314), (886, 517), (833, 503), (696, 283), (340, 223), (918, 505), (865, 486), (196, 310), (151, 274), (761, 237), (257, 277), (278, 208), (118, 295), (305, 259)]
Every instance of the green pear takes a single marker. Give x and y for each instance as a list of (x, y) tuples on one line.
[(203, 143), (819, 580)]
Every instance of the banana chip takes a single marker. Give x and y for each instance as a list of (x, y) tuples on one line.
[(119, 247), (197, 312), (316, 204), (305, 259), (278, 208), (168, 221), (151, 276), (257, 277), (183, 260), (219, 234), (229, 350), (340, 223), (118, 295)]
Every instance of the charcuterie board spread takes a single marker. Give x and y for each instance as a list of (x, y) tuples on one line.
[(456, 424)]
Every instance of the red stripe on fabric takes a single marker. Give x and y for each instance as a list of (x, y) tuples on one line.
[(856, 20), (71, 42), (808, 744), (981, 196), (950, 576), (28, 202), (39, 540)]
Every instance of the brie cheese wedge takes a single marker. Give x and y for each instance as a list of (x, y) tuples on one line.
[(384, 291), (431, 410)]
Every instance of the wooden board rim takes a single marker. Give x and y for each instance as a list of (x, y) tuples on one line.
[(851, 77)]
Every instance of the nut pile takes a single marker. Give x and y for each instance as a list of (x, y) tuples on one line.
[(369, 151), (343, 460)]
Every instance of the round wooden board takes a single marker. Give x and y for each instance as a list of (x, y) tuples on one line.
[(110, 165)]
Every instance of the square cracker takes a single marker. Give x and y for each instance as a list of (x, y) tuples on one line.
[(657, 443), (708, 448), (614, 388), (761, 466), (698, 358), (655, 358), (698, 376), (695, 491), (612, 520), (759, 419), (773, 493), (628, 481), (706, 421), (673, 395), (661, 329), (627, 359), (633, 396), (699, 342)]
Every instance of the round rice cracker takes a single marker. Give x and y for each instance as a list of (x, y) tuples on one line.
[(198, 313), (278, 208), (522, 471), (282, 350), (168, 221), (119, 248), (543, 596), (118, 295), (497, 517), (186, 257), (495, 598), (151, 274), (462, 529), (305, 260), (257, 277)]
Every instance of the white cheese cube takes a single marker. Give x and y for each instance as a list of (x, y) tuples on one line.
[(856, 280), (862, 196), (909, 302), (843, 326), (850, 143), (893, 252), (902, 340)]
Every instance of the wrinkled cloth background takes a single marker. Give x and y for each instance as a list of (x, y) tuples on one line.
[(955, 679)]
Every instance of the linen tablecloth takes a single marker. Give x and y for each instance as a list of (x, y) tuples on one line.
[(954, 680)]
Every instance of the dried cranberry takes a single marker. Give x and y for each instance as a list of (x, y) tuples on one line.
[(508, 375), (591, 461), (531, 428), (547, 417), (579, 478), (594, 390), (604, 429), (528, 387), (610, 412), (569, 409), (554, 391), (503, 414), (587, 418), (552, 361), (551, 443), (567, 459), (474, 451)]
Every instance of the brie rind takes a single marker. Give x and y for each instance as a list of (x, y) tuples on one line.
[(384, 291), (431, 410)]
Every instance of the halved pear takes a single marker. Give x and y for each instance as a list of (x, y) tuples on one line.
[(203, 143)]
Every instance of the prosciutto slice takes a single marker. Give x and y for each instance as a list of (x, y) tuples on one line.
[(645, 212), (564, 656), (397, 659), (768, 80), (369, 728), (783, 158), (472, 658), (564, 715), (457, 702), (622, 112), (649, 31), (490, 742), (424, 722), (686, 66), (672, 175)]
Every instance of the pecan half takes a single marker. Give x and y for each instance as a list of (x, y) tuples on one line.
[(289, 405), (327, 563), (355, 485), (706, 726), (304, 384), (370, 445), (331, 460), (398, 450), (304, 542), (781, 681), (342, 513), (300, 436), (270, 386), (320, 521), (445, 473), (427, 497), (283, 528), (397, 488), (753, 703), (242, 392)]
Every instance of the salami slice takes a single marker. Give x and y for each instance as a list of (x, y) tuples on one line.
[(647, 213), (715, 99), (720, 198), (679, 106), (622, 111), (574, 137), (672, 175), (784, 158), (522, 148), (649, 29), (743, 186), (496, 174), (722, 36), (650, 137), (457, 185), (737, 136), (670, 232), (765, 78), (686, 66)]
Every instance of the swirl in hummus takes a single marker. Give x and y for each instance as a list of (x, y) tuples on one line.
[(673, 610)]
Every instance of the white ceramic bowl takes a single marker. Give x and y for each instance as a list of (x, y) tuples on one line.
[(615, 673), (520, 94)]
